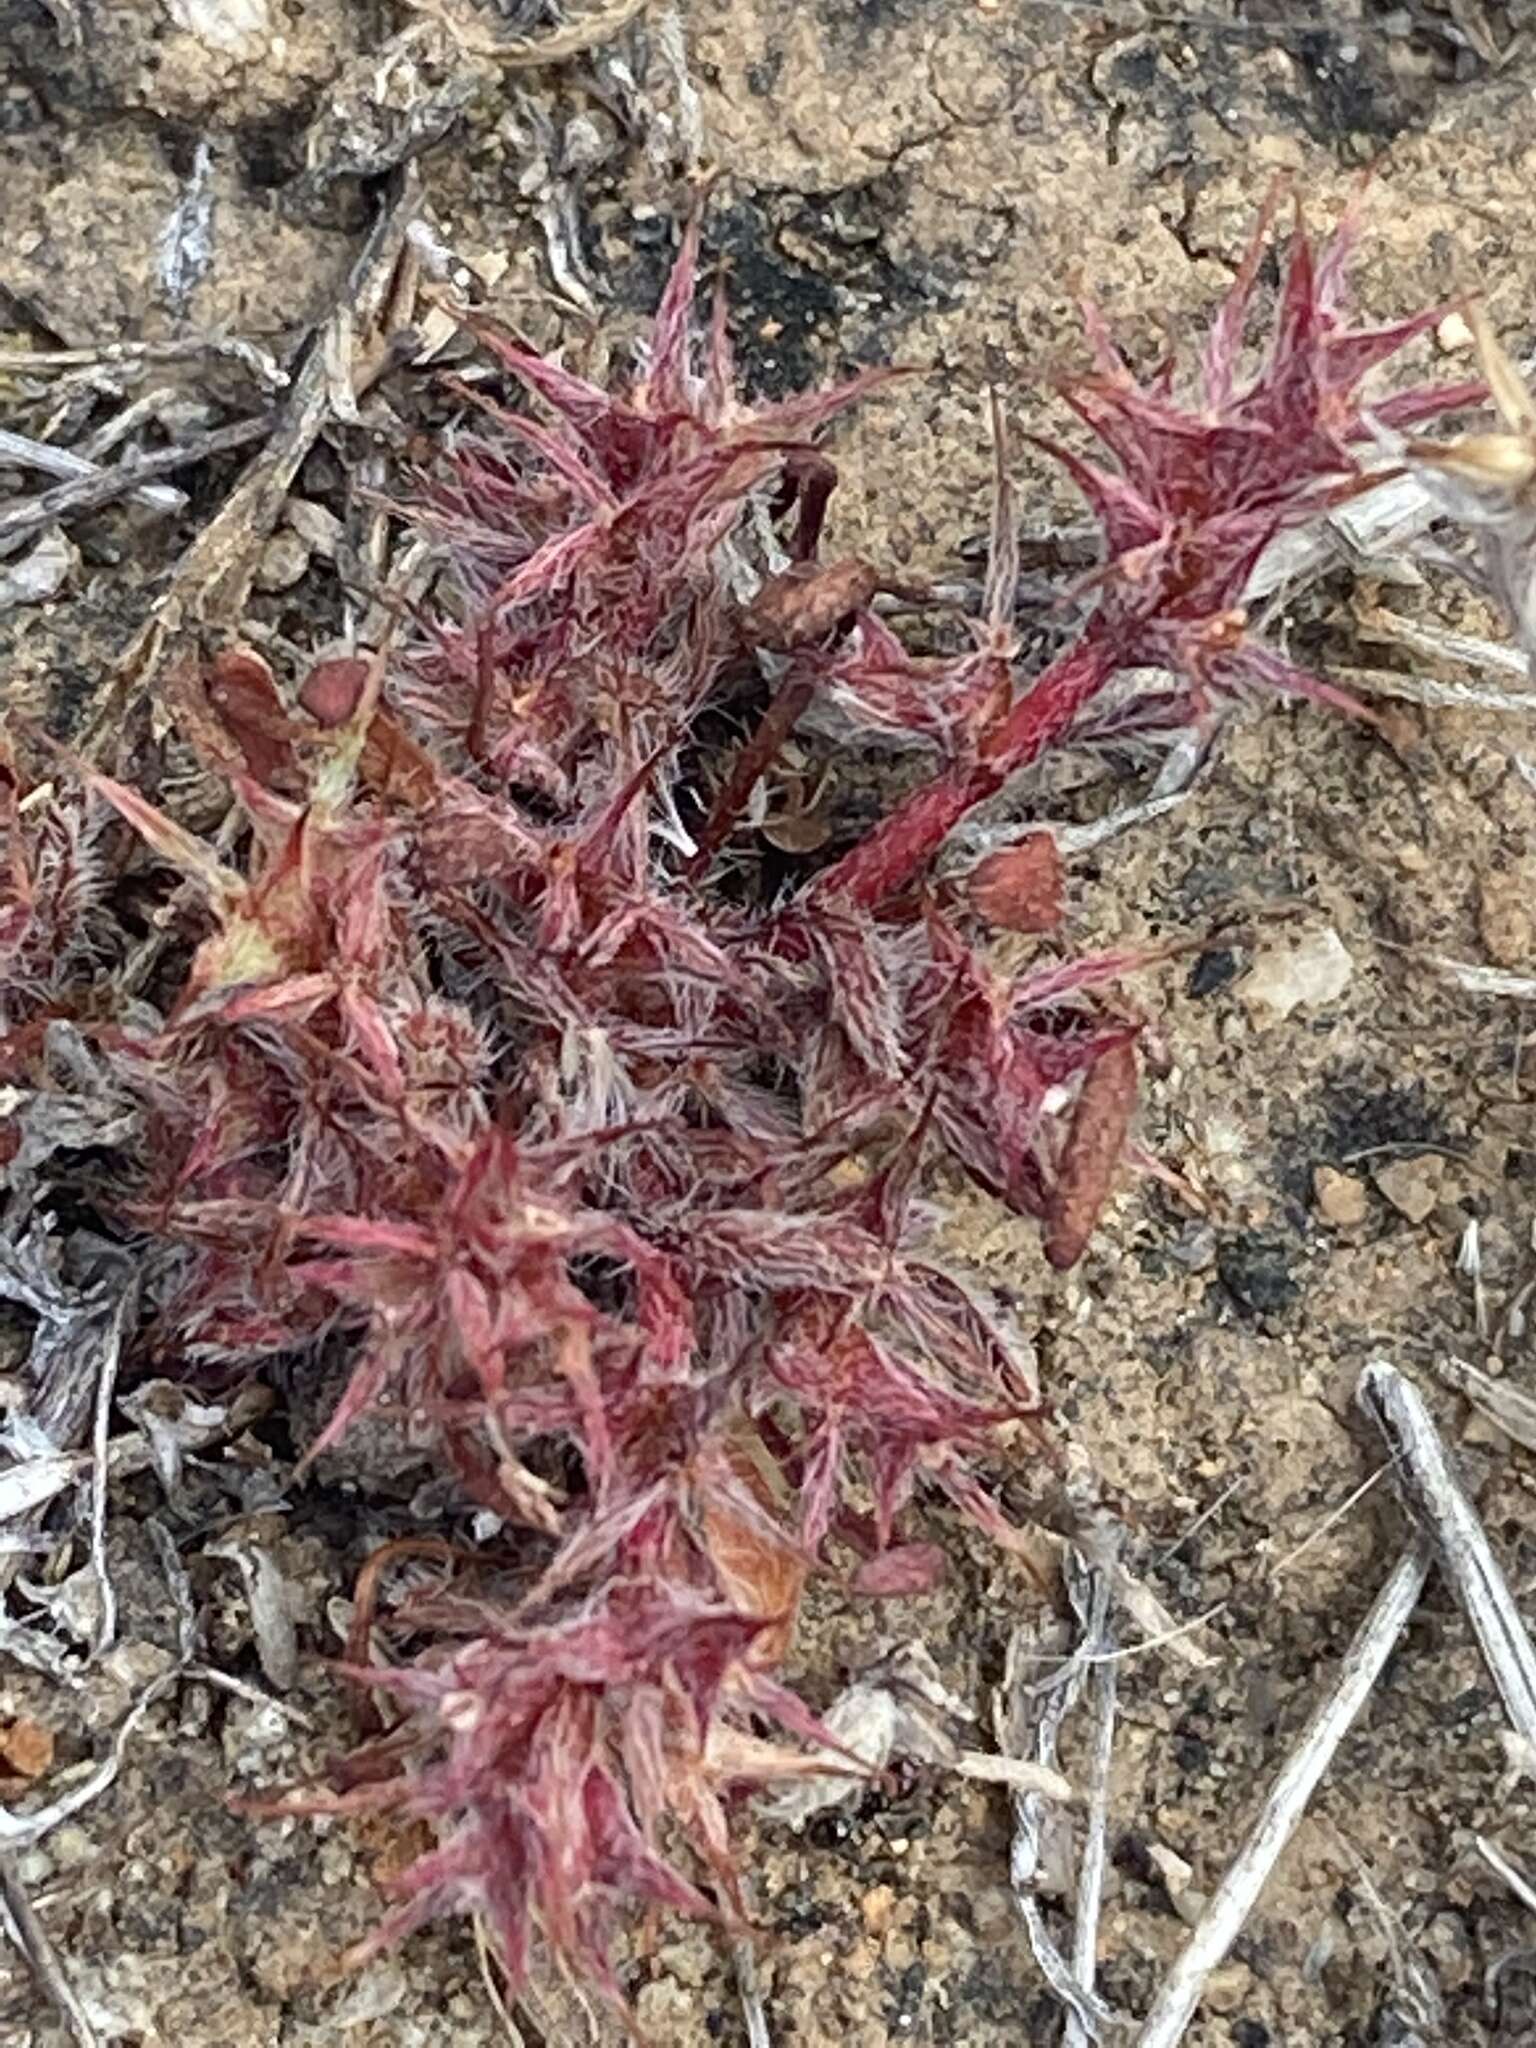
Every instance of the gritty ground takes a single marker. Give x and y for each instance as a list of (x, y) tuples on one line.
[(926, 181)]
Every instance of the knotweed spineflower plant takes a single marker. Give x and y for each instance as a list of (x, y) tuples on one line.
[(606, 1174)]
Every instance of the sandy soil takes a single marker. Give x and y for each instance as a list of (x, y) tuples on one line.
[(926, 181)]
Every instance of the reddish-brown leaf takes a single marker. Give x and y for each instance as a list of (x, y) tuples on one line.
[(1101, 1117), (1019, 888), (27, 1747), (761, 1569), (807, 602), (333, 689), (901, 1572)]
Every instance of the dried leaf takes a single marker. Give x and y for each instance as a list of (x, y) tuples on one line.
[(31, 1482), (270, 1599), (1019, 888), (172, 1423), (1095, 1141), (1504, 1404), (762, 1572), (807, 602), (42, 572)]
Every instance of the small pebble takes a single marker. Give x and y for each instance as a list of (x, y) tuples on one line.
[(1481, 1433), (316, 525), (1170, 1866), (1412, 1186), (34, 1866), (1190, 1904), (1341, 1199), (71, 1845), (42, 573), (1229, 1989), (877, 1906), (1306, 972), (283, 561), (27, 1746), (1453, 335)]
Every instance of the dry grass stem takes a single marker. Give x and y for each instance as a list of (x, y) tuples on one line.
[(1238, 1892), (213, 579), (90, 490), (1436, 1500), (1090, 1594), (42, 1958)]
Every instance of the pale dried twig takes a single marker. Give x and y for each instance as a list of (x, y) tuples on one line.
[(1169, 788), (1501, 1866), (1485, 981), (213, 578), (1245, 1878), (1159, 1628), (753, 2011), (1434, 1496), (1506, 1406), (242, 1689), (32, 1940), (138, 412), (1431, 692), (1381, 521), (1206, 1515), (186, 241), (1029, 1715), (106, 1386), (66, 463), (135, 354), (1329, 1521), (1469, 1261), (1016, 1772), (1440, 643), (89, 490), (1089, 1591)]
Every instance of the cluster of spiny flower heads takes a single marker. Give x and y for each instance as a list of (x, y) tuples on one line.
[(605, 1168)]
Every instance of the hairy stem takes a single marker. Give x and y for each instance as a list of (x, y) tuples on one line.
[(752, 763), (891, 855)]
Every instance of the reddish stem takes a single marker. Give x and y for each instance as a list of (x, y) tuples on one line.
[(485, 693), (895, 851), (752, 763), (810, 477)]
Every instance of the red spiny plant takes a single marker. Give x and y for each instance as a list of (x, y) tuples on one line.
[(1199, 489), (610, 1179), (50, 888)]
